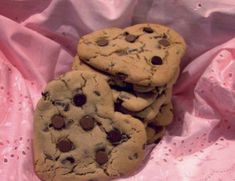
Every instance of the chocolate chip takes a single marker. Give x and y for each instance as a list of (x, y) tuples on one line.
[(65, 145), (131, 38), (164, 42), (101, 157), (58, 122), (87, 123), (114, 136), (70, 160), (121, 76), (148, 30), (79, 99), (102, 42), (156, 60)]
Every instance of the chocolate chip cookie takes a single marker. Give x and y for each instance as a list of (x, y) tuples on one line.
[(143, 54), (78, 136)]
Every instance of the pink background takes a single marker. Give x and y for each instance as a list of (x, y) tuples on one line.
[(38, 40)]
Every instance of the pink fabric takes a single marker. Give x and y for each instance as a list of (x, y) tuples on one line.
[(38, 40)]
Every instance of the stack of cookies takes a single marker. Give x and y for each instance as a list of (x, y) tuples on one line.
[(92, 123), (140, 64)]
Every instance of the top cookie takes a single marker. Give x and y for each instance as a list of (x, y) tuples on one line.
[(143, 54)]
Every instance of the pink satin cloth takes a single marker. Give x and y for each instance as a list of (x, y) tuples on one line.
[(38, 41)]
